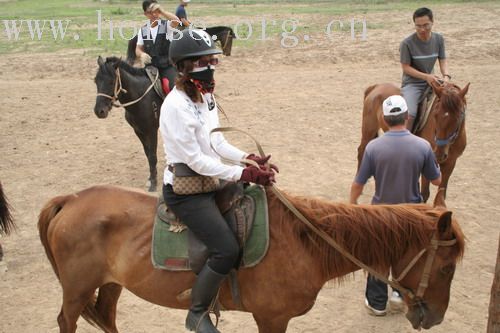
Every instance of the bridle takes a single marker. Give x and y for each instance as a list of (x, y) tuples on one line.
[(424, 281), (119, 89), (454, 135)]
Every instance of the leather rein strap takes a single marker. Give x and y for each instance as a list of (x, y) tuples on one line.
[(119, 89), (394, 283)]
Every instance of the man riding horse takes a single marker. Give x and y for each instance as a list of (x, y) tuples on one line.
[(154, 39), (419, 52)]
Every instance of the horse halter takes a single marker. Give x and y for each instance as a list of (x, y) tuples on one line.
[(424, 281), (454, 135), (119, 89)]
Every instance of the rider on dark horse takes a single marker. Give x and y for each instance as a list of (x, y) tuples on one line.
[(154, 39)]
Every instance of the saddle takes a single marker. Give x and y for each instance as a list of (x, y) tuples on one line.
[(424, 109), (152, 72), (176, 248)]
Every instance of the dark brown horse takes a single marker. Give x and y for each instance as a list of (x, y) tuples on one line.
[(6, 221), (445, 128), (100, 239)]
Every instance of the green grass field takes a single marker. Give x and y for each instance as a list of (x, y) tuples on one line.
[(87, 24)]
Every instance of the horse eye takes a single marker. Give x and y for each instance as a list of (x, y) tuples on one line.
[(446, 114), (448, 269)]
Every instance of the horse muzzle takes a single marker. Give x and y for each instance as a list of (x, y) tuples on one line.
[(420, 317), (441, 153), (101, 112)]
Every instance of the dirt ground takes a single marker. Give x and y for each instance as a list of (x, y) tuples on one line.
[(304, 105)]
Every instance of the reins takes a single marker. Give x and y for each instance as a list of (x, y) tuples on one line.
[(454, 135), (394, 283), (119, 89)]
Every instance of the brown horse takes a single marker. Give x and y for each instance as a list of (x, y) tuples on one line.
[(445, 128), (100, 238), (6, 221)]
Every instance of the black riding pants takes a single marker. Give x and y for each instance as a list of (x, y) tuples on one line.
[(202, 216)]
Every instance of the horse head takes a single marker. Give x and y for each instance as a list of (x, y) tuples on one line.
[(449, 114), (426, 275), (105, 81)]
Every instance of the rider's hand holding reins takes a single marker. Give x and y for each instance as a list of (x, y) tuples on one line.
[(262, 161), (262, 176)]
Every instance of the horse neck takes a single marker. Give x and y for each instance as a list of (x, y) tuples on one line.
[(376, 236), (133, 84)]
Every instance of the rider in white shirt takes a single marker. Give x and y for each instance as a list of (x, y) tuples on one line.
[(188, 115)]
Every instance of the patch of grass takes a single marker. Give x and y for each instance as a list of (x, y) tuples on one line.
[(86, 17)]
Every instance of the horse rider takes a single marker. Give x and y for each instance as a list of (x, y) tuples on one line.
[(182, 13), (154, 39), (418, 54), (188, 115), (396, 160)]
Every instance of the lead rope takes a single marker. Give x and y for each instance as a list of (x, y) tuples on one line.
[(327, 238)]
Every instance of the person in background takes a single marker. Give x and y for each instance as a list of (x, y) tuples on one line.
[(182, 14), (396, 160), (153, 42), (419, 53)]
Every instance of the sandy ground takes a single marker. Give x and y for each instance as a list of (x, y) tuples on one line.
[(304, 104)]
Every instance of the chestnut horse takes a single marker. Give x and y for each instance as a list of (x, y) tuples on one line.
[(445, 128), (100, 239), (6, 221)]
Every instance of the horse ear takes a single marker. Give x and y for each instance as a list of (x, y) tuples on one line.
[(464, 91), (438, 89), (444, 225), (100, 61)]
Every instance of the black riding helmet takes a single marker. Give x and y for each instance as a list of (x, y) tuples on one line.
[(191, 43)]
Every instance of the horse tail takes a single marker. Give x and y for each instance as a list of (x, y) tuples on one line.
[(48, 213), (369, 89), (131, 50), (6, 220)]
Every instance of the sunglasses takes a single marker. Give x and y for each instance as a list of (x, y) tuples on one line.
[(205, 63)]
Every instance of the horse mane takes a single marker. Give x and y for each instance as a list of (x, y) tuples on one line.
[(450, 98), (363, 230), (118, 62)]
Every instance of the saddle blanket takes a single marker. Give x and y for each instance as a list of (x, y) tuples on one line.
[(170, 244)]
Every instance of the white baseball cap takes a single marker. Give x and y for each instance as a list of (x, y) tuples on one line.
[(394, 105)]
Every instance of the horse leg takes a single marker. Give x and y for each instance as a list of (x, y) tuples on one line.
[(446, 170), (424, 191), (107, 300), (150, 143), (271, 324), (1, 252), (74, 302)]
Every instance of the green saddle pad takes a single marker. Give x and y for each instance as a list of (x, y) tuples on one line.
[(170, 248)]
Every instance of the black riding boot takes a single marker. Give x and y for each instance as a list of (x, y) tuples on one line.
[(204, 291)]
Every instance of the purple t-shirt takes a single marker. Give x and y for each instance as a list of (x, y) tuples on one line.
[(396, 160)]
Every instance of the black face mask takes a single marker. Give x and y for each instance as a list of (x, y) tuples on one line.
[(204, 80), (204, 76)]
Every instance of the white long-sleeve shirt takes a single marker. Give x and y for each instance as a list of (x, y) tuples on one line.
[(185, 129)]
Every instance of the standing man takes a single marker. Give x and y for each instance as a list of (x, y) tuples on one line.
[(419, 53), (153, 42), (181, 13), (396, 160)]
